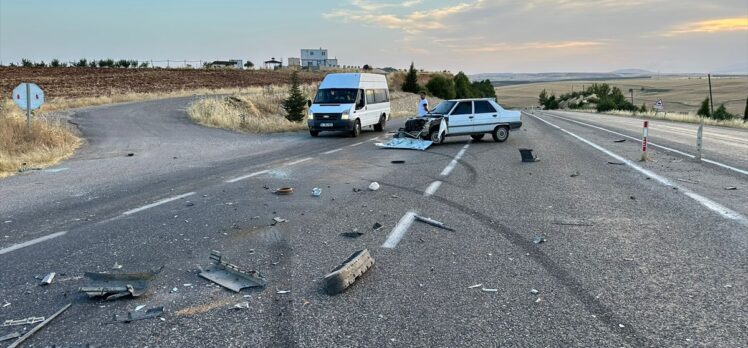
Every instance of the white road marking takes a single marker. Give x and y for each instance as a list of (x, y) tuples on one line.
[(432, 188), (247, 176), (31, 242), (653, 144), (374, 139), (165, 200), (298, 161), (399, 231), (448, 169), (706, 202), (332, 151), (358, 143)]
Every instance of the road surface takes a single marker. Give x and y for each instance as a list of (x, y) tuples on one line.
[(636, 254)]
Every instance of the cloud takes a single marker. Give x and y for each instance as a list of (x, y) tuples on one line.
[(711, 26), (374, 6), (509, 46)]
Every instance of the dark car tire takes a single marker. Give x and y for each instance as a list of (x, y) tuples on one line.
[(500, 134), (379, 127), (435, 137), (356, 132), (314, 133), (477, 137)]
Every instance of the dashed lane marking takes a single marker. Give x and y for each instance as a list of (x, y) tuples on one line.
[(154, 204), (31, 242), (246, 176)]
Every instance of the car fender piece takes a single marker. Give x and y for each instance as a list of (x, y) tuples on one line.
[(346, 274), (230, 276)]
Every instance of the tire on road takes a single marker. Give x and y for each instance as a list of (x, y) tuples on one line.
[(356, 129), (346, 274), (500, 134)]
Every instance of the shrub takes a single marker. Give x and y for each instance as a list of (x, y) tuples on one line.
[(83, 62), (123, 63), (143, 65), (442, 87), (722, 114), (93, 64), (411, 80), (463, 88), (249, 65), (643, 109), (605, 104), (295, 104), (704, 109), (55, 63), (26, 63), (40, 65)]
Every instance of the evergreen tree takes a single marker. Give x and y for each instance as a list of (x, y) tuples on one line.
[(543, 98), (643, 109), (722, 114), (442, 87), (296, 102), (704, 109), (411, 80), (463, 88)]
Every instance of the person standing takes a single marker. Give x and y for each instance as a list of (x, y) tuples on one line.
[(423, 106)]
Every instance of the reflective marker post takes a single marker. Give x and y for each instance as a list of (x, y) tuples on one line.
[(645, 133), (699, 135)]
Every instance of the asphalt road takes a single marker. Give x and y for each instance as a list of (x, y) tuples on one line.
[(636, 254)]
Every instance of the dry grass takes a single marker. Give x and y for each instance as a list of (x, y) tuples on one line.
[(253, 110), (680, 94), (676, 117), (48, 142)]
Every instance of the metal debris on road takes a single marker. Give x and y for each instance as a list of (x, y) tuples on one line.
[(538, 239), (405, 143), (230, 276), (25, 321), (316, 192), (48, 278), (374, 186), (135, 315), (616, 163), (528, 156), (114, 286), (619, 141), (283, 292), (139, 307), (10, 336), (241, 305), (475, 286), (348, 272), (284, 191), (731, 188), (278, 219), (489, 290), (38, 327), (377, 226), (433, 222), (575, 174), (534, 291)]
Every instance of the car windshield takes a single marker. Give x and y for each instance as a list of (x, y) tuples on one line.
[(443, 107), (336, 96)]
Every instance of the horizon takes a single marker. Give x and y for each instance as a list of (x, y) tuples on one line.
[(539, 36)]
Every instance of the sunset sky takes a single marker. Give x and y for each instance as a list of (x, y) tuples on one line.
[(473, 36)]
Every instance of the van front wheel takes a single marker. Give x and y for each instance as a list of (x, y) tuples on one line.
[(379, 127), (314, 133), (356, 129)]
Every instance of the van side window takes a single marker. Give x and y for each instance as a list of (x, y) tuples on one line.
[(370, 99), (463, 108), (381, 95), (484, 107), (360, 101)]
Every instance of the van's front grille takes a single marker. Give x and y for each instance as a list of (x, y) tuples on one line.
[(327, 116)]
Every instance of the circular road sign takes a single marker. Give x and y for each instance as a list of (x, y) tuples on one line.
[(36, 93)]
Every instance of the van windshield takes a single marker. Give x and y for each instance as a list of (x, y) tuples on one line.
[(336, 96), (443, 107)]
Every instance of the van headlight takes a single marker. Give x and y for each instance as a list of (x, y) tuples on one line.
[(345, 115), (309, 115)]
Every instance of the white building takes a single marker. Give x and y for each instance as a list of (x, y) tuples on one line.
[(317, 59)]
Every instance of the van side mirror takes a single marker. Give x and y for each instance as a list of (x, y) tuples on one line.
[(309, 102)]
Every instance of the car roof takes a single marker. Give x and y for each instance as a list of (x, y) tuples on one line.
[(471, 99)]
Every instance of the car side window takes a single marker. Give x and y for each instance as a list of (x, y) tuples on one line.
[(484, 107), (463, 108)]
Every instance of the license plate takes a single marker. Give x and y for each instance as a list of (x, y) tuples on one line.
[(325, 124)]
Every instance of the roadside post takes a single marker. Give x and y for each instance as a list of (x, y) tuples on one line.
[(699, 135), (28, 96), (645, 133)]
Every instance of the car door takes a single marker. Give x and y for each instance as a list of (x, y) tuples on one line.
[(461, 118), (486, 116)]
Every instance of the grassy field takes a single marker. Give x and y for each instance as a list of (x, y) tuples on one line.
[(679, 94)]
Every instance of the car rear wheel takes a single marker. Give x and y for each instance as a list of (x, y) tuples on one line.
[(500, 134), (314, 133), (477, 137), (435, 137), (356, 129), (379, 127)]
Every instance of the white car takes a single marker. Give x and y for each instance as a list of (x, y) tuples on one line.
[(473, 117), (349, 102)]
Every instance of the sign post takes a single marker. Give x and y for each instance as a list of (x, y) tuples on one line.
[(28, 96), (645, 133)]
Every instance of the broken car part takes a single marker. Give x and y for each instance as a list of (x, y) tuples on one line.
[(25, 321), (135, 315), (230, 276), (114, 286), (616, 163), (433, 222), (527, 155), (731, 188), (9, 336), (376, 226), (48, 278), (38, 327), (316, 192), (406, 143), (538, 239), (346, 274), (619, 141), (284, 191), (374, 186)]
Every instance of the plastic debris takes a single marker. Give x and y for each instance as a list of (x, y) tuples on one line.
[(539, 300), (284, 191), (38, 327), (374, 186), (534, 291), (173, 290), (475, 286), (24, 321), (230, 276), (528, 156), (241, 305), (278, 219), (48, 278), (353, 234), (405, 143), (538, 239), (619, 141), (114, 286), (377, 226), (616, 163), (316, 192), (10, 336), (139, 307), (283, 292), (134, 315), (489, 290), (731, 188), (116, 265), (348, 272), (433, 222)]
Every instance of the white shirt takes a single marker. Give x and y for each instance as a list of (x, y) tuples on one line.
[(421, 108)]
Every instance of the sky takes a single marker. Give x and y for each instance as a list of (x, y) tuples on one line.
[(475, 36)]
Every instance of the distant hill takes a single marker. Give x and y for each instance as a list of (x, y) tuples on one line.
[(502, 79), (638, 72)]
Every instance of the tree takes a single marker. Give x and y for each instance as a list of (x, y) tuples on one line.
[(543, 98), (722, 114), (296, 101), (442, 87), (55, 63), (643, 109), (704, 109), (249, 65), (143, 65), (93, 63), (484, 89), (411, 80), (463, 88), (83, 62), (123, 63)]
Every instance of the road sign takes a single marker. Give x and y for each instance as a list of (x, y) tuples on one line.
[(659, 106), (28, 95)]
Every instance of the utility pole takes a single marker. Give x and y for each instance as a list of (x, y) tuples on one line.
[(711, 99), (631, 90)]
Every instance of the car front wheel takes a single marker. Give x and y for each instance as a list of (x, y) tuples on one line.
[(435, 137), (500, 134)]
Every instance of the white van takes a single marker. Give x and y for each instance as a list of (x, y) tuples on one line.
[(349, 102)]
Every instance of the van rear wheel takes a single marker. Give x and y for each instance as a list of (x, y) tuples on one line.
[(379, 127)]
